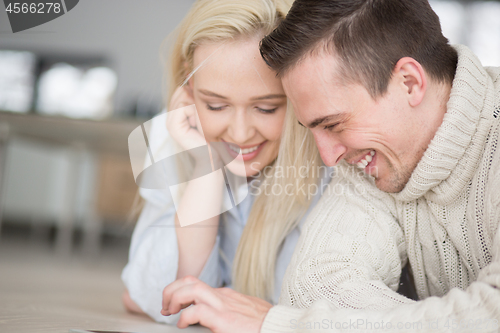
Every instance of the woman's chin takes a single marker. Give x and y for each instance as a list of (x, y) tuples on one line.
[(246, 172), (238, 171)]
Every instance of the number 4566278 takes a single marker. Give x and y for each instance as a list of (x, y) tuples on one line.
[(34, 8)]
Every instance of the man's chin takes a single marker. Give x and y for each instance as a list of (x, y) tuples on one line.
[(390, 186)]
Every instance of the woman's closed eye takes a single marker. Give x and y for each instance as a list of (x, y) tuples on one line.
[(215, 107), (267, 110)]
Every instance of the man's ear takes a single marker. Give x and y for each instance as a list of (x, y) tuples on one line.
[(413, 76)]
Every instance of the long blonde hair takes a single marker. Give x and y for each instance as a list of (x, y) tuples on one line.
[(272, 216), (282, 201)]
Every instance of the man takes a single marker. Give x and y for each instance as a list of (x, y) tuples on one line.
[(381, 90)]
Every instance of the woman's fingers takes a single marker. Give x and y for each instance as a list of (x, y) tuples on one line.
[(181, 97), (169, 291), (178, 115), (183, 122), (193, 119), (181, 130)]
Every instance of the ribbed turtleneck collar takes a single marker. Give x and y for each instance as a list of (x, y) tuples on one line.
[(454, 153)]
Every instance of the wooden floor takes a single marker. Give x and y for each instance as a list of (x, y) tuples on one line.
[(41, 292)]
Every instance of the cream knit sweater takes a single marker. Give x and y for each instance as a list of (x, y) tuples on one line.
[(346, 266)]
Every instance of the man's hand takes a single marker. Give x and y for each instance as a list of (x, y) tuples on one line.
[(220, 309)]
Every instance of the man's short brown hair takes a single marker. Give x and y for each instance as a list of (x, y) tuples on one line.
[(368, 36)]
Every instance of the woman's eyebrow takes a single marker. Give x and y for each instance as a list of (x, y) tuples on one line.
[(258, 98), (211, 94), (270, 96)]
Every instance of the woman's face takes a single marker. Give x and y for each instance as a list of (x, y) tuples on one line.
[(239, 100)]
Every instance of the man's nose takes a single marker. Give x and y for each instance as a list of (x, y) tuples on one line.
[(331, 149), (241, 128)]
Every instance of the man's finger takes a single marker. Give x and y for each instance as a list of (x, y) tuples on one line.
[(171, 288), (200, 313), (193, 293)]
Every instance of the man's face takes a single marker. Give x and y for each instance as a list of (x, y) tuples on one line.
[(380, 136)]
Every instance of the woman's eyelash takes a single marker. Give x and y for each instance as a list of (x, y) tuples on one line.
[(212, 108), (267, 110), (220, 108)]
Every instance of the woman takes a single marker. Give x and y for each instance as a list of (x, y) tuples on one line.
[(240, 106)]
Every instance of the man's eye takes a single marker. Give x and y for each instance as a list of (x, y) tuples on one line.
[(330, 127), (214, 108)]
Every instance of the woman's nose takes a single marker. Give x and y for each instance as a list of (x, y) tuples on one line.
[(241, 129)]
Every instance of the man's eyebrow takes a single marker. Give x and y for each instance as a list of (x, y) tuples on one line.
[(329, 118)]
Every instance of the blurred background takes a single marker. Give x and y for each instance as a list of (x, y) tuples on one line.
[(72, 90)]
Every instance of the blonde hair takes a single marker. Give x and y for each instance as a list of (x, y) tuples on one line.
[(219, 20), (272, 217)]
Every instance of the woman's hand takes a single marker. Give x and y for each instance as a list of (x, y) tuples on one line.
[(183, 123), (220, 309), (199, 204)]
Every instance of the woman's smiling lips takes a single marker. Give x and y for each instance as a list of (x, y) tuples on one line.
[(247, 152)]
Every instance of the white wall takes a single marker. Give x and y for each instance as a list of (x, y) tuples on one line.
[(127, 32), (472, 23)]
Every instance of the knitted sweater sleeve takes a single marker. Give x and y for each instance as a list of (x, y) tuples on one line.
[(350, 253), (476, 309), (342, 279)]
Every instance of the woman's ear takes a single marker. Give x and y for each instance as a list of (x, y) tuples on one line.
[(413, 76), (188, 86)]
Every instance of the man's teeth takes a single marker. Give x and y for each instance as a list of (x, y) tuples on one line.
[(244, 151), (367, 159)]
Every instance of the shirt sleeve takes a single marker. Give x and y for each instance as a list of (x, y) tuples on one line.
[(348, 284), (153, 257), (153, 254)]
